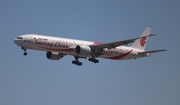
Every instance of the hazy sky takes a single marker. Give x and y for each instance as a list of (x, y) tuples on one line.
[(35, 80)]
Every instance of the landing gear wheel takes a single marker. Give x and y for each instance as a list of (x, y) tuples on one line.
[(79, 64), (96, 61), (76, 62), (25, 53), (93, 60), (89, 59), (73, 62)]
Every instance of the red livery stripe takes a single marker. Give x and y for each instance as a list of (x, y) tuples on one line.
[(120, 56)]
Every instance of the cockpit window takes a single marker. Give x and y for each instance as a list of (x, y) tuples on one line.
[(19, 38)]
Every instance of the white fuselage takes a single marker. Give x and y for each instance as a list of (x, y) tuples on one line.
[(66, 46)]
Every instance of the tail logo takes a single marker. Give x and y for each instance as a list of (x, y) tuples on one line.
[(143, 41)]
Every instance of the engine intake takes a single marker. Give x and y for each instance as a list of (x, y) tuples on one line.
[(54, 55), (83, 50)]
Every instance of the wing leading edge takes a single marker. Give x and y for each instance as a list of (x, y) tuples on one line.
[(116, 44)]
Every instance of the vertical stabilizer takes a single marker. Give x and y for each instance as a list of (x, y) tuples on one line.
[(141, 43)]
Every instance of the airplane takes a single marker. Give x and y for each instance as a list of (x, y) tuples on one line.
[(57, 47)]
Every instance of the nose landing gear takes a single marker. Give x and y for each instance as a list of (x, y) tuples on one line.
[(25, 53)]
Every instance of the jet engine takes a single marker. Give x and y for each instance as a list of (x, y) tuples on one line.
[(83, 50), (54, 55)]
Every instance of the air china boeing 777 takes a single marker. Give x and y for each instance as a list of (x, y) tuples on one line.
[(57, 47)]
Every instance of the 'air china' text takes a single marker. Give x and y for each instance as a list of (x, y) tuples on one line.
[(46, 43)]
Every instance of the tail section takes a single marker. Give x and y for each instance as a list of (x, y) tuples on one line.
[(141, 43)]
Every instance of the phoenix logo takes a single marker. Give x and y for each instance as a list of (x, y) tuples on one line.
[(143, 41)]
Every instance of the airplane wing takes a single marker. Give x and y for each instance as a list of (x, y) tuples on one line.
[(152, 51), (98, 49), (117, 43)]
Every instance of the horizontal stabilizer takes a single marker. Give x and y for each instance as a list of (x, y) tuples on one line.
[(153, 51)]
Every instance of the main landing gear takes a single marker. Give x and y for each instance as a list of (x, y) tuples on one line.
[(76, 61), (25, 53), (93, 60)]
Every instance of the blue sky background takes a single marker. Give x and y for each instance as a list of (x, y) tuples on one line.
[(35, 80)]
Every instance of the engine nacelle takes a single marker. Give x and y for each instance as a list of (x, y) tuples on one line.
[(54, 55), (83, 50)]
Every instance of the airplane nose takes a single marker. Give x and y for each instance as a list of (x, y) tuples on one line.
[(15, 41), (19, 41)]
